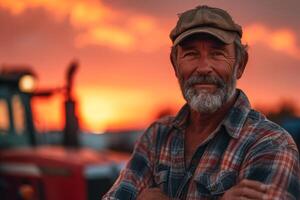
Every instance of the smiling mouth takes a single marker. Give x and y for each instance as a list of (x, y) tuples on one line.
[(205, 86)]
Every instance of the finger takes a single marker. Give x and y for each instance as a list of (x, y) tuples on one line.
[(250, 193), (151, 193), (246, 198), (154, 189), (255, 185), (156, 193), (145, 191)]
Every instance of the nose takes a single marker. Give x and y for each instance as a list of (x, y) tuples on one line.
[(204, 66)]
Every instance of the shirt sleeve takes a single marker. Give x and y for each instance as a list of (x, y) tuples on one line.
[(137, 174), (274, 162)]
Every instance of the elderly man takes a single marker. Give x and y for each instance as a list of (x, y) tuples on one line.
[(216, 147)]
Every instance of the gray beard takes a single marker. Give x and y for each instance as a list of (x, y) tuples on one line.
[(203, 101)]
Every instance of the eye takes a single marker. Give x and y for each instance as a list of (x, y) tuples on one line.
[(217, 53), (190, 54)]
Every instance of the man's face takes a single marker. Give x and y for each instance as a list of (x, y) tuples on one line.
[(206, 72)]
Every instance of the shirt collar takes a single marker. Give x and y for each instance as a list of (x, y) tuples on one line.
[(233, 121), (181, 118), (237, 115)]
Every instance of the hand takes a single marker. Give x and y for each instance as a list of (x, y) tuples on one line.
[(247, 189), (152, 194)]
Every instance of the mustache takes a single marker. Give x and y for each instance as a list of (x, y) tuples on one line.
[(205, 79)]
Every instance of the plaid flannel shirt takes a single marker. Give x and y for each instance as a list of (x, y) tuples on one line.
[(246, 145)]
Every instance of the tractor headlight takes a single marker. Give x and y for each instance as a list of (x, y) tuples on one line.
[(27, 83)]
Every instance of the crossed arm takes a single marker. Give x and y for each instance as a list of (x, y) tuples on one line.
[(284, 184), (266, 173), (246, 189)]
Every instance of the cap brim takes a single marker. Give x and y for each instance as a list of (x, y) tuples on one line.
[(225, 36)]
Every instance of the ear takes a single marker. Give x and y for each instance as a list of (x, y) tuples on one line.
[(175, 67), (242, 66), (174, 63)]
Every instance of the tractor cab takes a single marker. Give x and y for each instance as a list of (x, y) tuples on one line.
[(31, 170), (16, 124)]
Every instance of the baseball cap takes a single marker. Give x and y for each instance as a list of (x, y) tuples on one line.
[(205, 19)]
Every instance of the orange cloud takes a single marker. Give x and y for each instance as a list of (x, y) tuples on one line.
[(283, 40), (98, 24), (88, 14), (109, 36)]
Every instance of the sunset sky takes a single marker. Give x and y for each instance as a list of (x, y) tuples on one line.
[(125, 78)]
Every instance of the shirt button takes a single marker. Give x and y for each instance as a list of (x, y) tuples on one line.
[(213, 188)]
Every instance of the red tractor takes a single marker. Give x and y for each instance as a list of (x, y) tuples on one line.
[(31, 171)]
